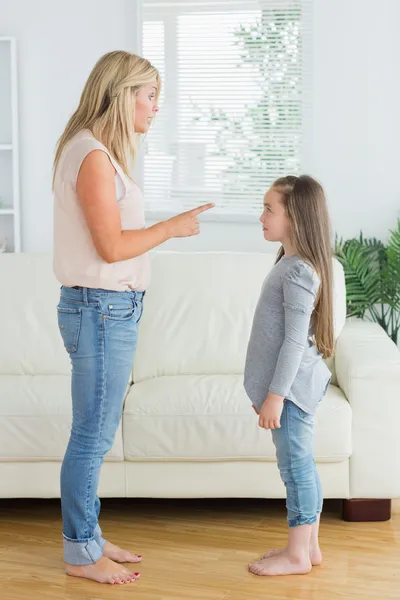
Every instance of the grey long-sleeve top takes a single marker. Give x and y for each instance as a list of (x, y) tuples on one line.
[(282, 356)]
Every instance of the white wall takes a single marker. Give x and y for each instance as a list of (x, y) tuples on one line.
[(58, 44), (356, 116), (356, 112)]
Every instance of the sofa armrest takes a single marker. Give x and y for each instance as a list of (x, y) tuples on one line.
[(367, 366)]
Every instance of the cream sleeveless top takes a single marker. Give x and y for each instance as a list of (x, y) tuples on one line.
[(76, 261)]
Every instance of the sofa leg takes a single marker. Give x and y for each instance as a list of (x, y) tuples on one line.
[(366, 510)]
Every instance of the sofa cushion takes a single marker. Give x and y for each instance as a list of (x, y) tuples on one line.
[(199, 310), (208, 417), (30, 340), (35, 419)]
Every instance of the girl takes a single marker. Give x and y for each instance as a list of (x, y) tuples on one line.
[(285, 376), (101, 260)]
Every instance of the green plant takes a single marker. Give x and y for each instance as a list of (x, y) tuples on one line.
[(372, 273)]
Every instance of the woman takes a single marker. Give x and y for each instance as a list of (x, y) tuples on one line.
[(101, 260)]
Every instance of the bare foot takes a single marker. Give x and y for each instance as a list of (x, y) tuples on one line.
[(315, 555), (104, 571), (118, 555), (281, 564)]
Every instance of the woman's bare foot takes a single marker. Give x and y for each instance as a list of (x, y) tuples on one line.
[(104, 571), (315, 555), (282, 564), (118, 555)]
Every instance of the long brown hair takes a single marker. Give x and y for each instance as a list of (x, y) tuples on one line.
[(305, 204), (107, 105)]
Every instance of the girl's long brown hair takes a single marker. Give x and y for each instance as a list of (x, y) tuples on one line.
[(306, 207)]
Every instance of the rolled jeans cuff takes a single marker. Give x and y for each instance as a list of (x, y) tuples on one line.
[(80, 553)]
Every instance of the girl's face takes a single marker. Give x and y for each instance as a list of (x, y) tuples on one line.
[(146, 107), (274, 219)]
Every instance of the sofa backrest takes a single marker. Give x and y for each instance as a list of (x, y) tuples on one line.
[(30, 342), (199, 309), (197, 316)]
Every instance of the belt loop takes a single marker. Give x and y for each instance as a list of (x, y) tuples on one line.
[(85, 295)]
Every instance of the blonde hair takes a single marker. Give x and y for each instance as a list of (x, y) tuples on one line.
[(107, 105), (305, 204)]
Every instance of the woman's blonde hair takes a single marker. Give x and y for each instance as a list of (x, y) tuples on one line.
[(305, 204), (107, 105)]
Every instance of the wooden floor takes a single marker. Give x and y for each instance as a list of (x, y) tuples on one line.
[(198, 550)]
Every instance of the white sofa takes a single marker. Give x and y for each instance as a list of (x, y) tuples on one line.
[(188, 429)]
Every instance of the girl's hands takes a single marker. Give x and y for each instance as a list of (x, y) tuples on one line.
[(271, 411)]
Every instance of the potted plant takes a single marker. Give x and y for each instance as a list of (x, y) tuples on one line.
[(372, 274)]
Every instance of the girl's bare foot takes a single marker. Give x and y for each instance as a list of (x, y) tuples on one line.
[(104, 571), (315, 551), (118, 555), (282, 564), (315, 555)]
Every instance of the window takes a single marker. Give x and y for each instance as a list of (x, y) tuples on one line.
[(235, 105)]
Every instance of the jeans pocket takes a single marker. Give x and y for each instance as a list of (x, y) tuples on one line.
[(69, 323), (301, 414), (121, 311), (306, 417)]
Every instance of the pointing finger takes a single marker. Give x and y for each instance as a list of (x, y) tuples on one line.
[(201, 209)]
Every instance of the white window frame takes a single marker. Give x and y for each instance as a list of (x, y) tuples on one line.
[(161, 13)]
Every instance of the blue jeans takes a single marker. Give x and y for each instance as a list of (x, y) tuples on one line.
[(294, 452), (99, 330)]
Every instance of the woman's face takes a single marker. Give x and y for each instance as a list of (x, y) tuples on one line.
[(146, 106)]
